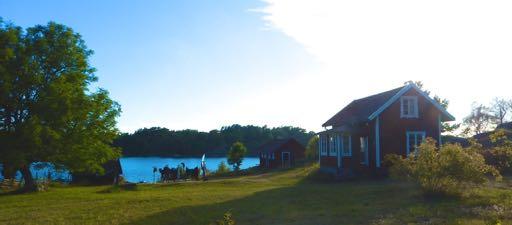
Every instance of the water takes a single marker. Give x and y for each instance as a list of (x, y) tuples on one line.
[(137, 169), (40, 171)]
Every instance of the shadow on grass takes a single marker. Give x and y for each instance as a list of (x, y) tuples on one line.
[(12, 192), (314, 201), (119, 188)]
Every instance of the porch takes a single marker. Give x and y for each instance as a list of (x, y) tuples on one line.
[(344, 151)]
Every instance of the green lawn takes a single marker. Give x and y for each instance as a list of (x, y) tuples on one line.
[(284, 197)]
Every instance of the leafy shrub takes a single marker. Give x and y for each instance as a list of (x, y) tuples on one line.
[(450, 170), (312, 148), (236, 155), (500, 155), (223, 168), (227, 219)]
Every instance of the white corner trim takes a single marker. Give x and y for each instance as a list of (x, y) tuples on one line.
[(338, 155), (319, 150), (440, 127), (377, 142), (350, 145), (403, 91)]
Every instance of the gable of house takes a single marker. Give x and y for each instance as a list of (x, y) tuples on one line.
[(368, 108)]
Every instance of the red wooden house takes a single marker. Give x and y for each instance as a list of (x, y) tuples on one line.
[(280, 153), (358, 137)]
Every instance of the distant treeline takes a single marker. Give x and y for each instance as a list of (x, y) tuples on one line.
[(158, 141)]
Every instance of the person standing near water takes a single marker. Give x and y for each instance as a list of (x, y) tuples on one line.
[(178, 172), (203, 166)]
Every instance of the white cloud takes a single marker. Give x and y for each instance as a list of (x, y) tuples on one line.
[(462, 50)]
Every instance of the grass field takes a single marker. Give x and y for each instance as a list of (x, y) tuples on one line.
[(283, 197)]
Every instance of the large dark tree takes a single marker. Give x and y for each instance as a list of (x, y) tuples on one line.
[(47, 112)]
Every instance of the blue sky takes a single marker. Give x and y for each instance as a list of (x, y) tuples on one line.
[(207, 64), (171, 63)]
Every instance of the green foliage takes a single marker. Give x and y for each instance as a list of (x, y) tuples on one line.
[(500, 155), (227, 219), (222, 168), (312, 148), (236, 155), (47, 112), (450, 170), (158, 141)]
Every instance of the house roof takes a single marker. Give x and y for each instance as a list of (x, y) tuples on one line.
[(273, 145), (366, 109), (359, 110)]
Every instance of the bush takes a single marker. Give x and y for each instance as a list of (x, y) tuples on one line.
[(312, 148), (223, 168), (500, 155), (227, 219), (451, 170), (236, 155)]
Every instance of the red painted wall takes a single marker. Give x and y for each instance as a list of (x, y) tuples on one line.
[(393, 128), (392, 134), (296, 150), (329, 161)]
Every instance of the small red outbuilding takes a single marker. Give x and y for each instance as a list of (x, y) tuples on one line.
[(280, 153)]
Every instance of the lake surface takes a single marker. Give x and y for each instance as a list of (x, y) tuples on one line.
[(140, 169), (136, 169)]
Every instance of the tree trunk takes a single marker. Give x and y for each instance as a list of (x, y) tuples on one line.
[(8, 171), (30, 184)]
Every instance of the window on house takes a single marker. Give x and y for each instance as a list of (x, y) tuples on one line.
[(332, 145), (273, 155), (414, 140), (347, 145), (323, 147), (409, 107), (364, 150)]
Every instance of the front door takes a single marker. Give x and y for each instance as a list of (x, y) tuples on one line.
[(285, 159)]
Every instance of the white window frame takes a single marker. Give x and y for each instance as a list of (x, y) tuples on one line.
[(338, 144), (414, 105), (332, 145), (323, 149), (363, 142), (289, 158), (416, 134), (346, 152)]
